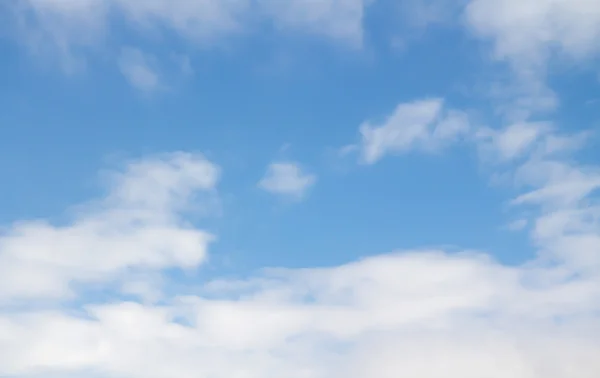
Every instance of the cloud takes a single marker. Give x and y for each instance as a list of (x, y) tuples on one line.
[(422, 124), (338, 20), (148, 74), (427, 125), (512, 141), (139, 69), (60, 31), (70, 34), (200, 21), (288, 179), (528, 33), (417, 313), (529, 36), (72, 24), (136, 227)]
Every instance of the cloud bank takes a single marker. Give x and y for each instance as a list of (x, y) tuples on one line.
[(414, 313), (420, 313)]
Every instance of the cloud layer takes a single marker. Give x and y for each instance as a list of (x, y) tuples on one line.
[(422, 313), (528, 36), (70, 27), (87, 297)]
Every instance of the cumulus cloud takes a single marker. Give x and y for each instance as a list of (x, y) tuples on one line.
[(418, 313), (287, 178), (136, 227), (422, 314)]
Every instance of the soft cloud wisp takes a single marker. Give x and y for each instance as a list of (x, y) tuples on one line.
[(287, 178), (422, 125)]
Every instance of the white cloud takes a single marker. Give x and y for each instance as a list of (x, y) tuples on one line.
[(67, 33), (287, 178), (423, 124), (139, 69), (528, 35), (147, 73), (423, 314), (340, 20), (60, 29), (523, 96), (512, 141), (203, 22), (419, 314), (137, 226)]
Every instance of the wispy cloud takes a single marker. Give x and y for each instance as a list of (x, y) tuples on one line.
[(419, 313), (418, 125), (517, 225), (140, 70), (422, 313), (288, 179)]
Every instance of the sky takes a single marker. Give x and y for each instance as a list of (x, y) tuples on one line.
[(299, 188)]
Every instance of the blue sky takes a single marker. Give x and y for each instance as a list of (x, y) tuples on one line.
[(299, 188)]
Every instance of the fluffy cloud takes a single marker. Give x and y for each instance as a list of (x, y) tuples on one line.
[(426, 125), (423, 313), (527, 32), (287, 178), (136, 228)]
